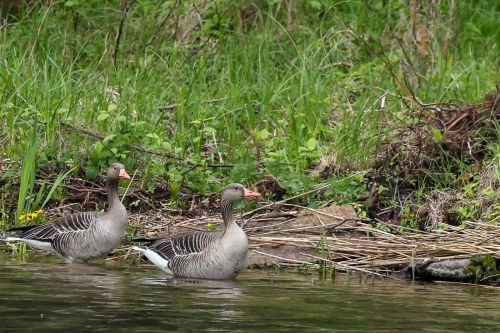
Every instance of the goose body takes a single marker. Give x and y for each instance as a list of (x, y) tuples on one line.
[(208, 255), (82, 235)]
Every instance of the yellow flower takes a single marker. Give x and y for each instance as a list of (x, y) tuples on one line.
[(30, 216), (211, 227)]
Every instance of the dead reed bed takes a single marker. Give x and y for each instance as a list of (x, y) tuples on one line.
[(335, 237)]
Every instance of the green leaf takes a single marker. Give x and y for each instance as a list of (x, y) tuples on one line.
[(437, 135), (209, 130), (121, 119), (98, 147), (311, 144), (114, 150), (56, 184), (102, 117), (112, 107), (139, 123), (473, 28), (153, 136), (109, 138), (315, 4), (167, 146), (262, 135)]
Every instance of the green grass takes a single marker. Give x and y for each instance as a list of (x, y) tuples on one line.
[(307, 93)]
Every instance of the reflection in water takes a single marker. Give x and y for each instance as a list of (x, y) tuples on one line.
[(44, 294), (201, 289), (102, 283), (229, 289)]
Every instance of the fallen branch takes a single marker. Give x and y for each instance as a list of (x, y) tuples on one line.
[(141, 149)]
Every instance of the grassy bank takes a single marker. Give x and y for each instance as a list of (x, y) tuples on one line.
[(290, 93)]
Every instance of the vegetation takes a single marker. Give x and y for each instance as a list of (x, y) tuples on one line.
[(282, 93)]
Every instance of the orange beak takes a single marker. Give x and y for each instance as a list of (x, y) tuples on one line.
[(250, 195), (123, 174)]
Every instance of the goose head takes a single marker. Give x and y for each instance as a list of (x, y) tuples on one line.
[(117, 171), (233, 193)]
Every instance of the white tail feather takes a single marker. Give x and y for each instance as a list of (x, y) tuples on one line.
[(13, 239), (36, 244), (139, 248), (155, 258)]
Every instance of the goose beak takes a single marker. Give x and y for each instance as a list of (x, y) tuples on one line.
[(250, 195), (123, 174)]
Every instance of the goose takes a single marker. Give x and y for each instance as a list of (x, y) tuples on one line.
[(206, 255), (82, 235)]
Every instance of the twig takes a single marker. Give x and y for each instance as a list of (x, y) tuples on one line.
[(174, 106), (129, 183), (328, 227), (118, 37), (256, 144), (39, 31), (326, 214), (346, 267), (402, 87), (282, 258), (277, 203), (160, 26), (138, 148)]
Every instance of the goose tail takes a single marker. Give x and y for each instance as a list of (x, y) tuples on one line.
[(155, 258), (141, 249), (12, 239)]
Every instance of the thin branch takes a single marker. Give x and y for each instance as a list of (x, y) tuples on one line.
[(141, 149), (256, 144), (169, 107), (119, 34), (160, 26)]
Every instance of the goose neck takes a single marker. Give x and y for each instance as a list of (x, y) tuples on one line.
[(112, 192), (227, 213)]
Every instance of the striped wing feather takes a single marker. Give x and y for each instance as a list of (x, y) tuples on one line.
[(65, 225), (182, 245)]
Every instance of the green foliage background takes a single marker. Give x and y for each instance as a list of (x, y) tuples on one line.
[(298, 84)]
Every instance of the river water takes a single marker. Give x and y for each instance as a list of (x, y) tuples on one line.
[(44, 294)]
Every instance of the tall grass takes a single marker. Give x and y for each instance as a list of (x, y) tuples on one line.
[(315, 92), (27, 179)]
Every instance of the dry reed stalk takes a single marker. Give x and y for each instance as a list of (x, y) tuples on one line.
[(362, 248)]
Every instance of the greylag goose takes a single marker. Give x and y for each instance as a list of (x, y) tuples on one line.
[(208, 255), (83, 235)]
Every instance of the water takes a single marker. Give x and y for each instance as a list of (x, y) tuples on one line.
[(44, 294)]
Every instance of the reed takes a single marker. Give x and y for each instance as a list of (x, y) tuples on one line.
[(28, 172)]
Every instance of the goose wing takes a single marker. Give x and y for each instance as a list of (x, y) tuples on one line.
[(182, 245), (69, 224)]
